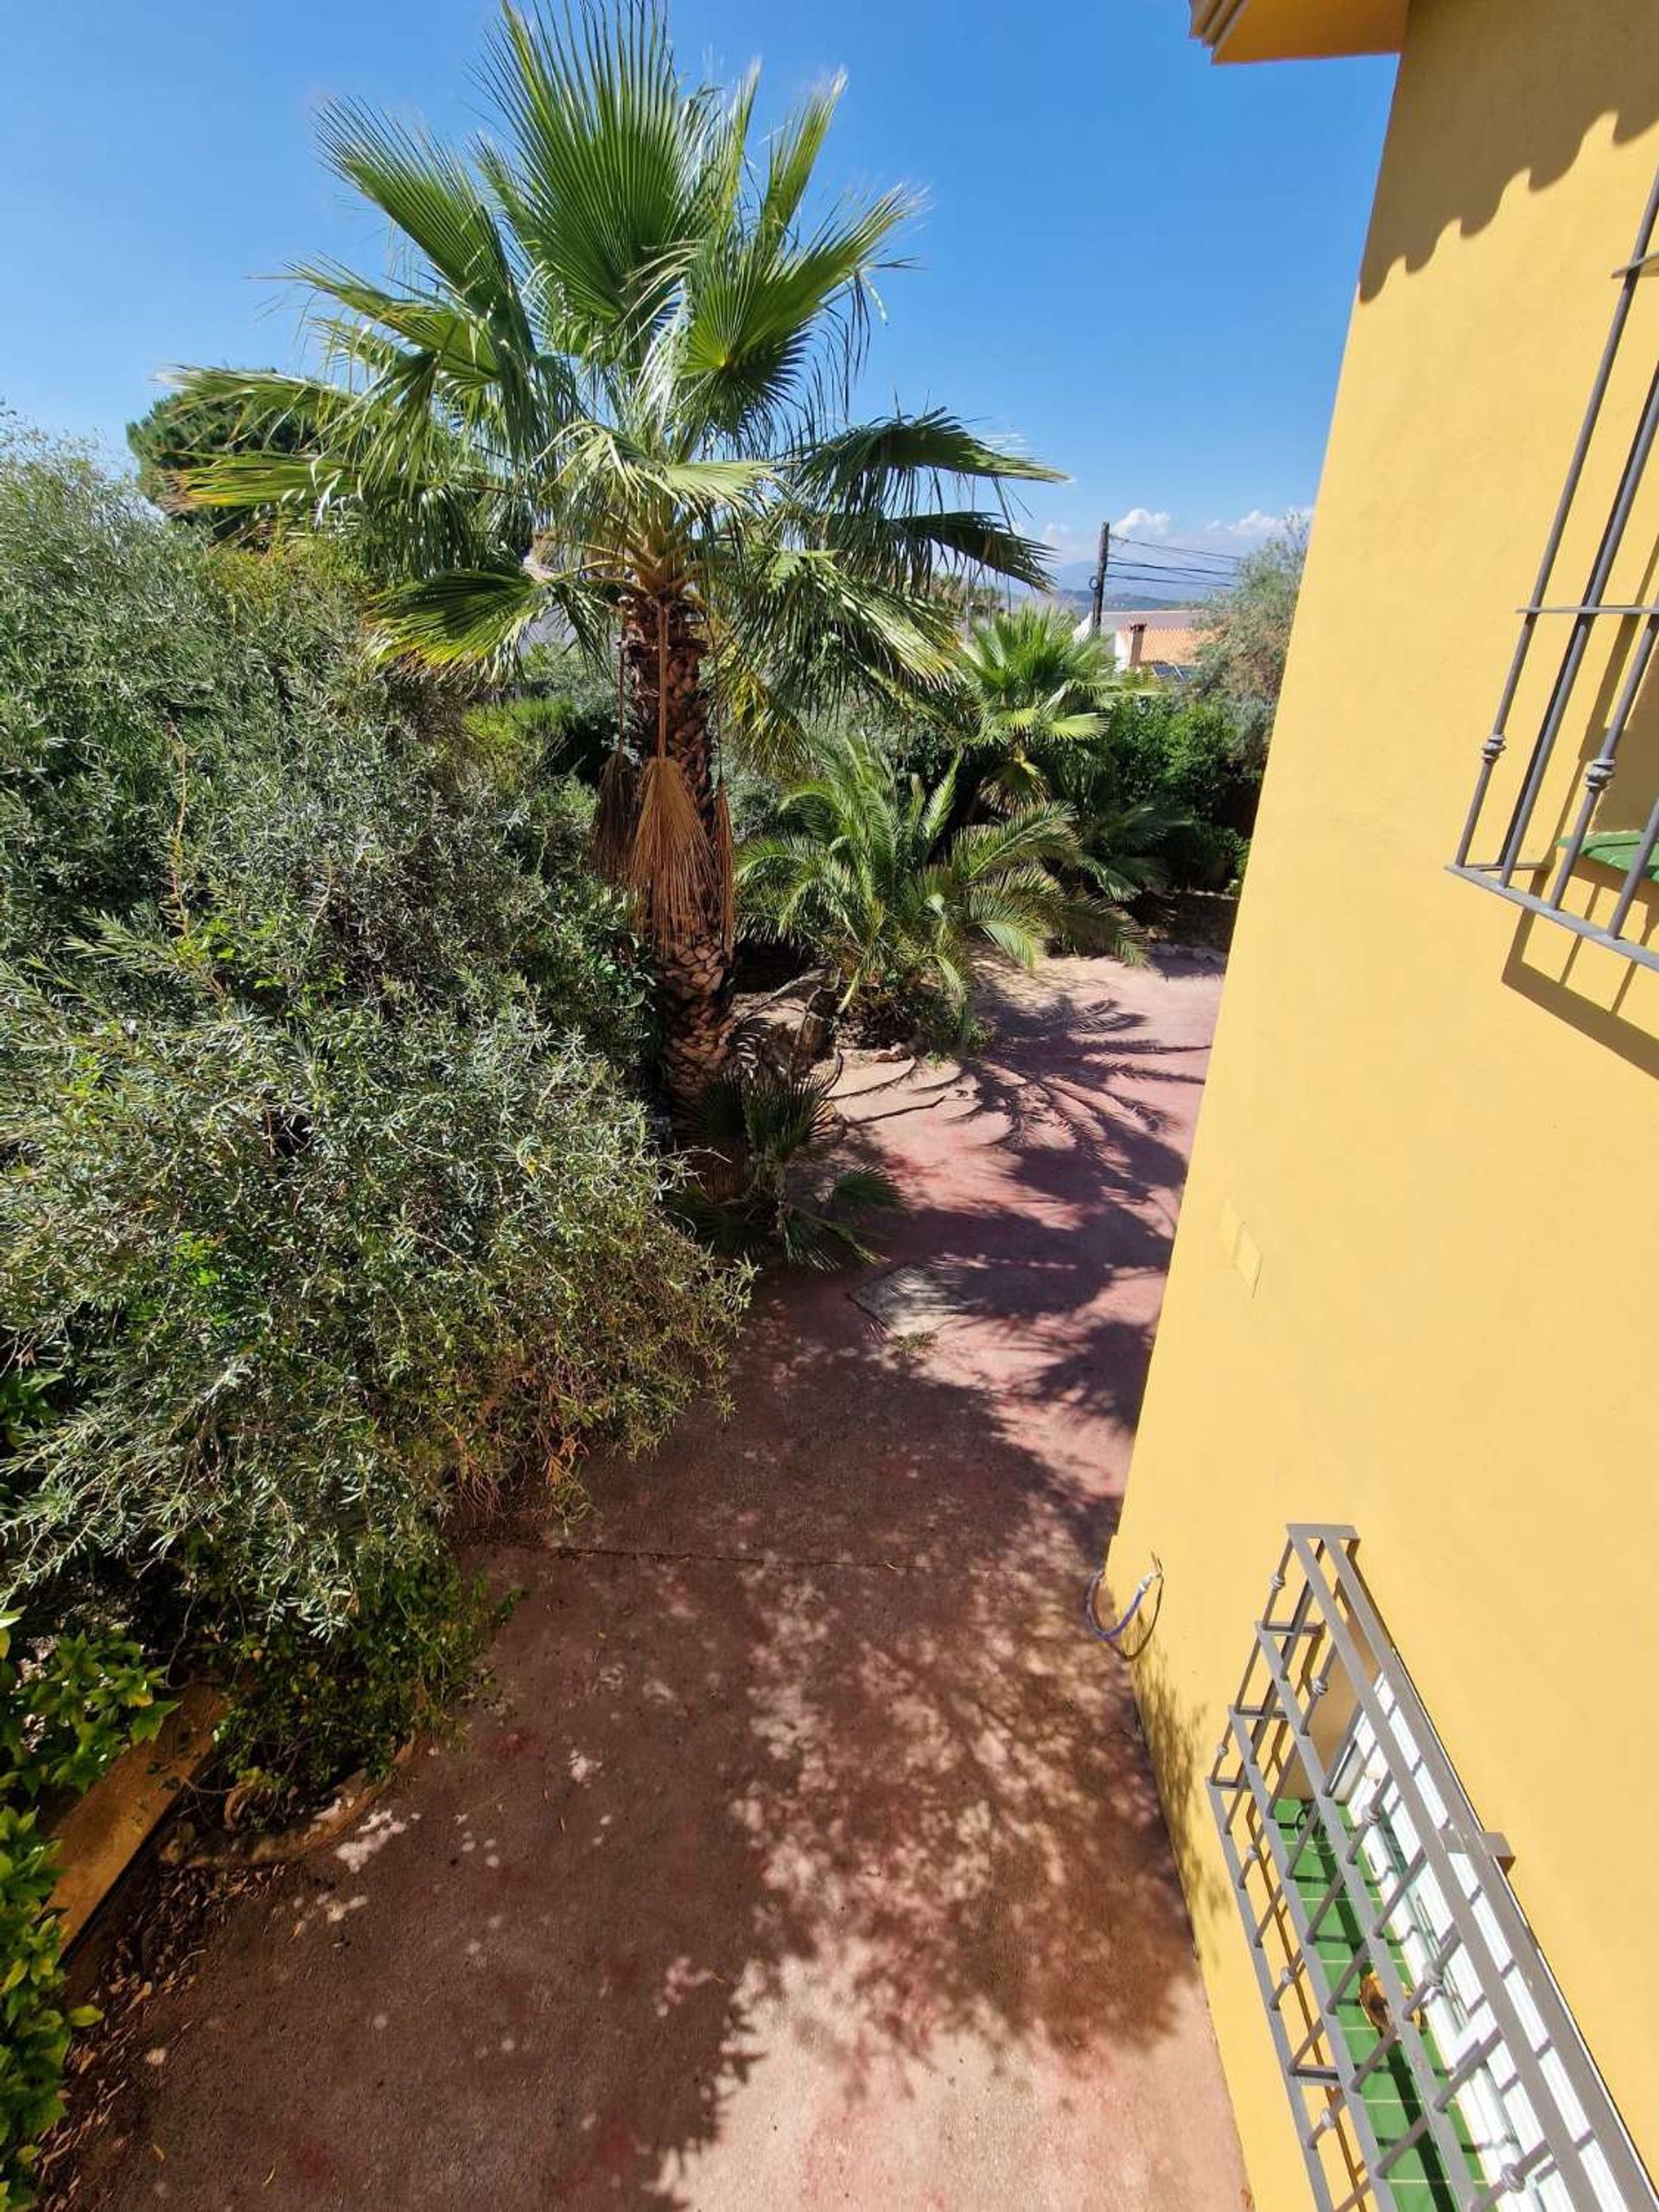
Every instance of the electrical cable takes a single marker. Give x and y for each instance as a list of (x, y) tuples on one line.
[(1178, 591), (1192, 552), (1176, 579), (1092, 1619)]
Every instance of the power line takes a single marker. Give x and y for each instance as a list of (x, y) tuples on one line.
[(1170, 569), (1192, 554), (1166, 545), (1176, 579)]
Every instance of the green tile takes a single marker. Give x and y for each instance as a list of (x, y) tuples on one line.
[(1392, 2103)]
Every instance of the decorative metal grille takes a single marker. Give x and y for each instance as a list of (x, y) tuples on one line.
[(1626, 849), (1430, 2059)]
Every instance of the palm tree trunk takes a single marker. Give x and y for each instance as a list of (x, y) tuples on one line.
[(663, 646)]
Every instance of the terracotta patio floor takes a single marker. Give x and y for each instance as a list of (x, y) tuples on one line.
[(806, 1853)]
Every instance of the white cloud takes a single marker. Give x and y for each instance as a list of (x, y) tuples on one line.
[(1145, 522), (1160, 538), (1158, 525), (1253, 527)]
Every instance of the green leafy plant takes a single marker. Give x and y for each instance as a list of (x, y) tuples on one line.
[(1192, 759), (1246, 634), (306, 1710), (68, 1706), (862, 871), (1121, 843), (197, 744), (761, 1130), (179, 433), (25, 1400), (64, 1718)]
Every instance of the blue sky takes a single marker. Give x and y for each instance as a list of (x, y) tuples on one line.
[(1140, 264)]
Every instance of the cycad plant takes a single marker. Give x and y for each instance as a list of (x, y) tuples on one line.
[(1028, 693), (863, 870), (762, 1129), (606, 382)]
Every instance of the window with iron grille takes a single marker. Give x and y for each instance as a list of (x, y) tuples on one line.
[(1550, 829), (1431, 2062)]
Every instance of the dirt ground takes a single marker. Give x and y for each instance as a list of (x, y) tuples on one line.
[(805, 1852)]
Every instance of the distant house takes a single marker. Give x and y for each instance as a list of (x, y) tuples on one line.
[(1159, 641)]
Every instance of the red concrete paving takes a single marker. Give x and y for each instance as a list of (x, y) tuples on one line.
[(807, 1854)]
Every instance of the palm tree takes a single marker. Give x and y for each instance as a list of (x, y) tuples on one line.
[(607, 381), (861, 869), (1029, 692)]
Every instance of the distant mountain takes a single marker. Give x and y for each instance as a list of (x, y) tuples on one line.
[(1072, 579), (1122, 602), (1074, 575)]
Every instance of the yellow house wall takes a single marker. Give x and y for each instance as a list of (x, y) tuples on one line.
[(1414, 1283)]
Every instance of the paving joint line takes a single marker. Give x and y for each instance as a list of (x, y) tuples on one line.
[(663, 1554)]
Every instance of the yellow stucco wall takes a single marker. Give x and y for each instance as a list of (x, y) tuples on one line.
[(1438, 1125)]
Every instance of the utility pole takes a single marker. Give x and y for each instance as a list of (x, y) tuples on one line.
[(1098, 584)]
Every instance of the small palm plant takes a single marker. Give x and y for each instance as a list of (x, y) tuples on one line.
[(862, 870), (1121, 843), (1029, 693), (760, 1130), (606, 384)]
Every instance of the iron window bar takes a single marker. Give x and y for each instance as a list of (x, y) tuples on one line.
[(1338, 1693), (1498, 873)]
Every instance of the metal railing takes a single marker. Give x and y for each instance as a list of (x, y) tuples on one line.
[(1582, 614), (1324, 1682)]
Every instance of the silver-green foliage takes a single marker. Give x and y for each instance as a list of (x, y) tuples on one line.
[(197, 751), (318, 1279), (318, 1182)]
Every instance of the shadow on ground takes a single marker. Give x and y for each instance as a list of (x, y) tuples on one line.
[(806, 1851)]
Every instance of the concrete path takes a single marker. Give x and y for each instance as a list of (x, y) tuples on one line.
[(806, 1853)]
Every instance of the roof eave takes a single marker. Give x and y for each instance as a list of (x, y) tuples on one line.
[(1298, 30)]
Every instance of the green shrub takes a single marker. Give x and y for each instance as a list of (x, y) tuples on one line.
[(315, 1282), (318, 1177), (560, 715), (308, 1710), (179, 433), (896, 911), (323, 1203), (68, 1707), (1195, 758), (199, 737)]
